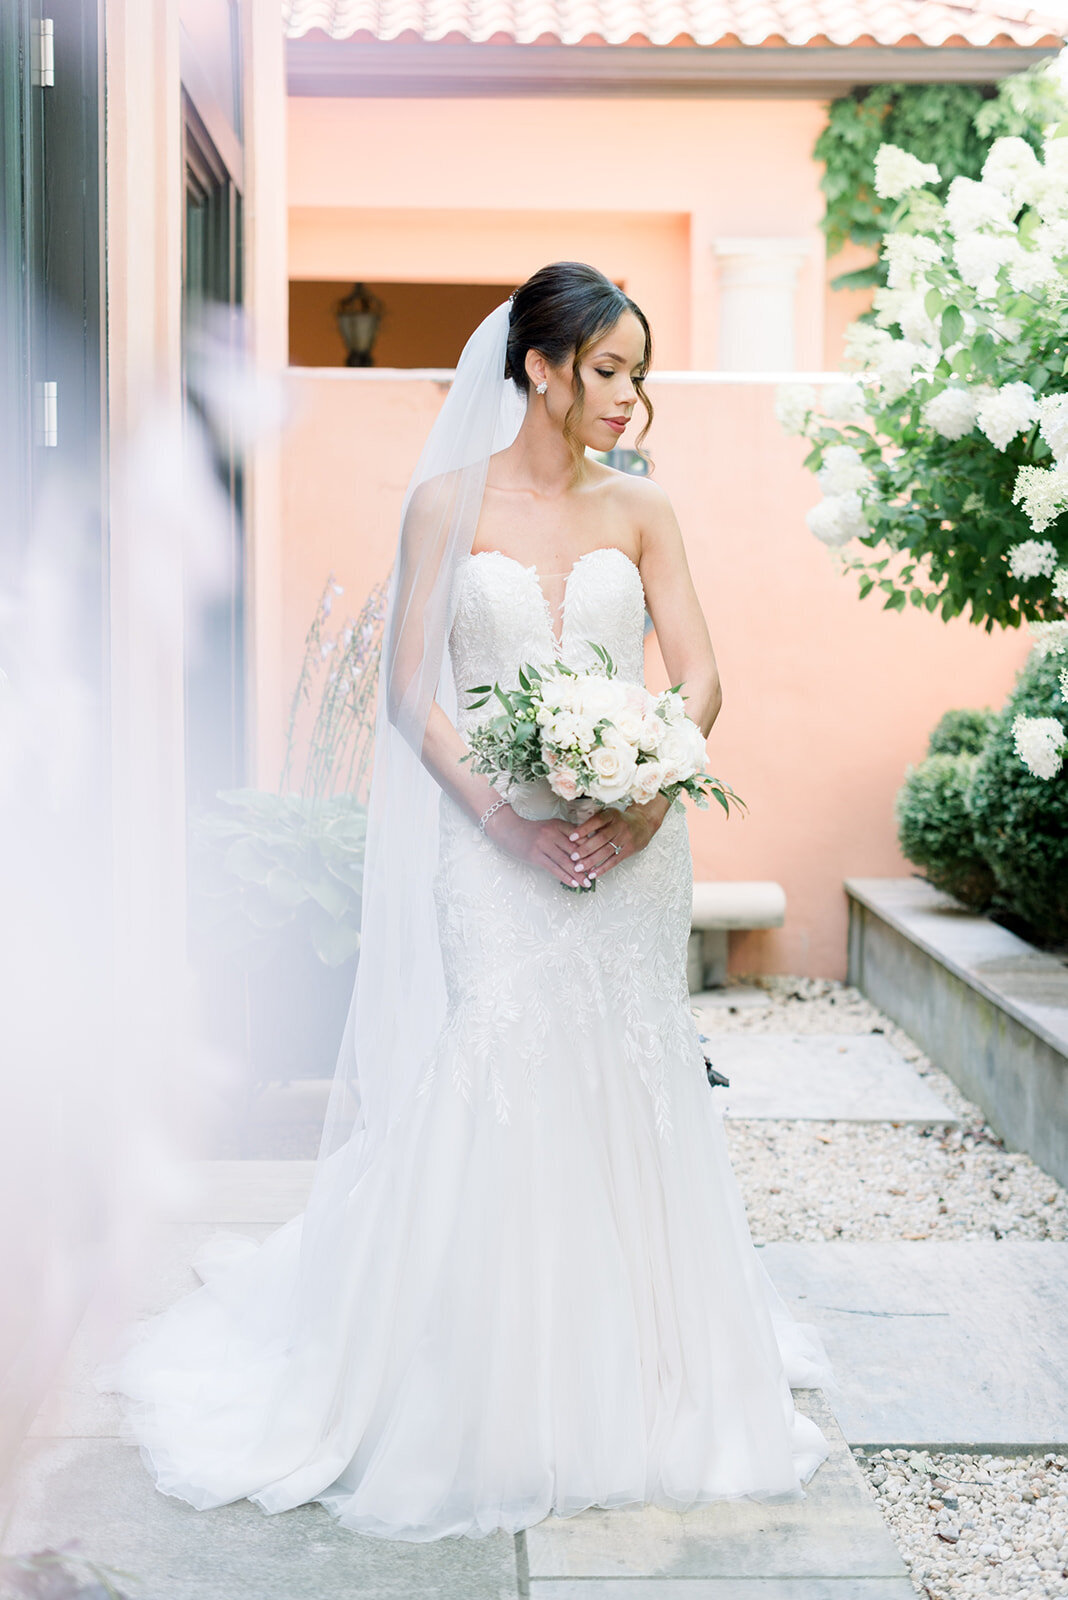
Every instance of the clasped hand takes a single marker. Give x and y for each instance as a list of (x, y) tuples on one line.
[(577, 853)]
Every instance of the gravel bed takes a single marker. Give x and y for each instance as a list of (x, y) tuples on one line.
[(877, 1180), (975, 1524)]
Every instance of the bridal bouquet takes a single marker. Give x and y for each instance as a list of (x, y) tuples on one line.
[(593, 739)]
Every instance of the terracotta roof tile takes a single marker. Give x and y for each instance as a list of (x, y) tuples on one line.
[(700, 22)]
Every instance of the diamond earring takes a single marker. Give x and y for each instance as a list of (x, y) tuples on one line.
[(542, 387)]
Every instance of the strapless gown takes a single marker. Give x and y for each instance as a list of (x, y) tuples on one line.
[(551, 1298)]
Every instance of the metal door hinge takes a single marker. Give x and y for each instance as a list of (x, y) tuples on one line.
[(46, 430), (43, 53)]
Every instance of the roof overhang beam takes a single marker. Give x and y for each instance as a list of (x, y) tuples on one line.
[(344, 67)]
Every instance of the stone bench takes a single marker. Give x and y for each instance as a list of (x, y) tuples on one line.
[(718, 907)]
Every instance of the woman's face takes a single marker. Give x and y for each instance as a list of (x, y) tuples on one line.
[(608, 370)]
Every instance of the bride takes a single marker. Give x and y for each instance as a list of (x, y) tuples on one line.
[(524, 1282)]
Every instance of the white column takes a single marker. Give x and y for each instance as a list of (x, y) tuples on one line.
[(757, 303)]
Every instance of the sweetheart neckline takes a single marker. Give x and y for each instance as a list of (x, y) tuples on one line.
[(598, 550), (557, 639)]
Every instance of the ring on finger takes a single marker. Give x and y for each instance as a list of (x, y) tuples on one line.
[(618, 848)]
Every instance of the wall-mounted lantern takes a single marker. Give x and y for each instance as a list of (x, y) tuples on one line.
[(358, 317)]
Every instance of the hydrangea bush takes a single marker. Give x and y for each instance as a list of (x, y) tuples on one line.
[(946, 459)]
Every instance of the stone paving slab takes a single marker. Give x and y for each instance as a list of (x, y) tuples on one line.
[(98, 1491), (835, 1532), (733, 997), (724, 1589), (849, 1077), (938, 1343)]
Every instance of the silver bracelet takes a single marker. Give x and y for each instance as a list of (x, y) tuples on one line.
[(484, 818)]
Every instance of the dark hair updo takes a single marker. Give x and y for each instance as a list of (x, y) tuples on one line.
[(562, 311)]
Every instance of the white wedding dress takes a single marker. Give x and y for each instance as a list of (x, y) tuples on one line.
[(548, 1294)]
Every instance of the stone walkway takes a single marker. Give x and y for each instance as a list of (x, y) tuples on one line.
[(951, 1341)]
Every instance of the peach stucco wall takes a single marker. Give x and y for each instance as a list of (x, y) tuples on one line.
[(826, 697), (483, 190)]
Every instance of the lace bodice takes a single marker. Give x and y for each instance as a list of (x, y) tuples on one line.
[(502, 619)]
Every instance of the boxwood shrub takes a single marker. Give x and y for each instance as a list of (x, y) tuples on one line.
[(961, 732), (1020, 821), (935, 829)]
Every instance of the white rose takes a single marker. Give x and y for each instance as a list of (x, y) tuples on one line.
[(564, 782), (560, 693), (629, 718), (612, 765), (649, 735), (597, 697), (676, 755), (672, 705), (648, 780)]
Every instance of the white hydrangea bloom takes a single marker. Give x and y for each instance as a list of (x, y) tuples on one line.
[(1052, 237), (1032, 558), (1049, 638), (1043, 493), (1035, 272), (843, 402), (1053, 424), (979, 256), (1060, 583), (971, 206), (843, 471), (906, 308), (1003, 413), (865, 344), (1010, 166), (1039, 742), (898, 363), (1048, 189), (908, 255), (951, 413), (896, 172), (837, 518), (793, 402)]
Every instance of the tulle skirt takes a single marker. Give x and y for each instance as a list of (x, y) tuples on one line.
[(546, 1293)]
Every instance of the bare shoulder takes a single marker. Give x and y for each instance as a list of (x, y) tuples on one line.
[(647, 507)]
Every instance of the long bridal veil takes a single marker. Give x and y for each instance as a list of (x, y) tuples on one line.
[(398, 1001)]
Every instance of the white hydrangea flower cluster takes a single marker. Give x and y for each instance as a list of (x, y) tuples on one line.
[(793, 402), (843, 402), (1011, 166), (837, 518), (951, 413), (896, 172), (1053, 424), (1040, 743), (1049, 638), (1032, 558), (1060, 583), (973, 207), (1003, 413), (975, 256), (843, 471), (908, 256), (1043, 494)]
